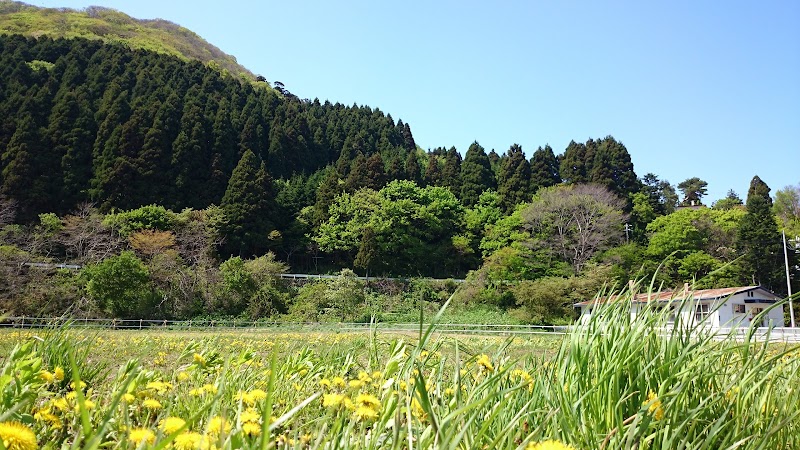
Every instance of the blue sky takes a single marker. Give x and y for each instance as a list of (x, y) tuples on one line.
[(692, 88)]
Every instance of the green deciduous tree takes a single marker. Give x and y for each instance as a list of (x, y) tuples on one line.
[(120, 286)]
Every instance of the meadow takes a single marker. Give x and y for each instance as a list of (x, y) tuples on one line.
[(616, 383)]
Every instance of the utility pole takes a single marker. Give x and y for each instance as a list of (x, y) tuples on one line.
[(788, 280), (628, 228)]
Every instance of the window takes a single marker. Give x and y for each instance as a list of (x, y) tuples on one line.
[(738, 309), (701, 311), (750, 293)]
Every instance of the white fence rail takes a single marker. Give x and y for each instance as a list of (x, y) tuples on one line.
[(253, 326)]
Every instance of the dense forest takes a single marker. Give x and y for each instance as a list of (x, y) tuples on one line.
[(182, 190)]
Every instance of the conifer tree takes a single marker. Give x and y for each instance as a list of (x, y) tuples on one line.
[(412, 169), (451, 172), (759, 241), (376, 175), (26, 174), (433, 173), (359, 174), (514, 181), (476, 174), (612, 168), (248, 207), (572, 168), (544, 169), (330, 187)]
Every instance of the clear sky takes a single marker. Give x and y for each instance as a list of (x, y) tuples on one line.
[(692, 88)]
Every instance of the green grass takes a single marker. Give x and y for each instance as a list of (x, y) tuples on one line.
[(617, 383)]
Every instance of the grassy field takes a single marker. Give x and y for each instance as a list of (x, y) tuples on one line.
[(616, 384)]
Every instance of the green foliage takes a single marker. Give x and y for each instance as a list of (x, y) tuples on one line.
[(694, 189), (476, 175), (514, 179), (112, 26), (346, 297), (120, 286), (759, 240), (151, 217)]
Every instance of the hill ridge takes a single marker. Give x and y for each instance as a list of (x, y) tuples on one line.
[(113, 26)]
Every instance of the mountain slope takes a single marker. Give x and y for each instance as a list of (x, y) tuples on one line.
[(112, 26)]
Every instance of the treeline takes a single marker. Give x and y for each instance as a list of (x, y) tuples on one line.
[(131, 162)]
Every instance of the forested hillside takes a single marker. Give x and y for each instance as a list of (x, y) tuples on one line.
[(183, 190), (112, 26)]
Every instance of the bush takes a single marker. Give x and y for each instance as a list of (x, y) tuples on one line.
[(120, 286)]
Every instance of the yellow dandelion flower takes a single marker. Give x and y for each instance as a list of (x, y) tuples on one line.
[(484, 362), (188, 440), (449, 392), (325, 383), (364, 413), (364, 377), (355, 384), (209, 388), (548, 445), (16, 436), (128, 398), (368, 400), (249, 415), (80, 385), (46, 376), (348, 404), (87, 404), (45, 415), (258, 394), (654, 406), (152, 404), (140, 435), (61, 403), (199, 359), (196, 392), (170, 425), (251, 429), (58, 373), (183, 376), (332, 400), (339, 382), (218, 425)]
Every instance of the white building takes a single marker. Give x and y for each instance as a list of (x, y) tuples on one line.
[(724, 308)]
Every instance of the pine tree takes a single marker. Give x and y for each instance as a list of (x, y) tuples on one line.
[(759, 241), (476, 174), (544, 169), (515, 179), (248, 206)]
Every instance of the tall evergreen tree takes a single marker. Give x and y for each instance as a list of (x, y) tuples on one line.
[(759, 241), (412, 169), (359, 173), (544, 169), (612, 168), (27, 177), (248, 206), (515, 179), (573, 168), (433, 173), (376, 175), (451, 171), (329, 188), (476, 174)]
